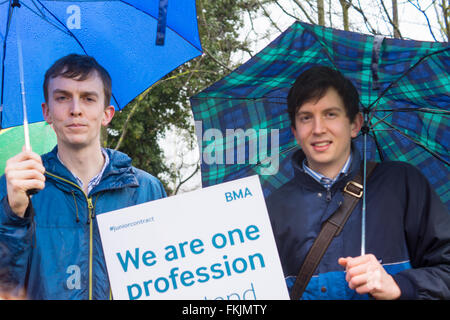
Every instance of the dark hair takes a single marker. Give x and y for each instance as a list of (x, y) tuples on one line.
[(313, 84), (78, 67)]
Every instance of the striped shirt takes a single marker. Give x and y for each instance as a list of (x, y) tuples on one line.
[(327, 182), (95, 180)]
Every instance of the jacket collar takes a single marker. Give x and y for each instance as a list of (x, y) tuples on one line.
[(305, 179), (118, 173)]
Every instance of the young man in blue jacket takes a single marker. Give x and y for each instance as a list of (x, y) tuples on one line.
[(52, 237), (407, 229)]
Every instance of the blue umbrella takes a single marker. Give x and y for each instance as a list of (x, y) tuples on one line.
[(137, 41)]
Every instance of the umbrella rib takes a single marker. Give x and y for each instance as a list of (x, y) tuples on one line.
[(41, 15), (405, 73), (64, 26), (427, 110), (416, 142), (380, 120), (380, 152)]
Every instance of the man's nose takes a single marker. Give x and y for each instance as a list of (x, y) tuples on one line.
[(75, 108), (319, 125)]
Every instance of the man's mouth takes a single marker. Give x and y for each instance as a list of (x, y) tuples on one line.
[(321, 145), (76, 125)]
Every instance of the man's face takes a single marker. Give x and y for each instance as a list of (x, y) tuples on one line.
[(324, 132), (76, 109)]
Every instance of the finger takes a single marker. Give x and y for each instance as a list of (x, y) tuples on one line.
[(372, 284), (24, 185), (374, 280), (355, 271), (25, 155), (357, 281), (19, 175), (363, 289), (24, 165), (358, 260), (343, 261)]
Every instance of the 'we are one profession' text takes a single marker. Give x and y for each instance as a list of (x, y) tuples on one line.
[(226, 267)]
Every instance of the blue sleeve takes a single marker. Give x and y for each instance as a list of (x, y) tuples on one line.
[(151, 187), (427, 225), (16, 236)]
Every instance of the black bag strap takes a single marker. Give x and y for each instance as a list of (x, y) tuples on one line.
[(353, 191)]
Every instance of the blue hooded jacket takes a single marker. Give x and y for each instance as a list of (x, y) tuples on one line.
[(407, 229), (55, 250)]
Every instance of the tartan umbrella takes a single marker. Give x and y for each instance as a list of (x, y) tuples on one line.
[(404, 91)]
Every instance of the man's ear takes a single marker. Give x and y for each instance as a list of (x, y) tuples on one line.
[(294, 132), (357, 124), (108, 114), (46, 113)]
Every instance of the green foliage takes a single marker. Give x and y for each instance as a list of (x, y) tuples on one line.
[(166, 104)]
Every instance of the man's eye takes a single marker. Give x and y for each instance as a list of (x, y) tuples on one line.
[(304, 118), (90, 99), (61, 98)]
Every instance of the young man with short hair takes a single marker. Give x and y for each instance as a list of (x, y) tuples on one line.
[(407, 226), (52, 237)]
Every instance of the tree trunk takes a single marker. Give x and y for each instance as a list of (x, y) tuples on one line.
[(321, 12), (395, 19), (345, 6), (445, 14)]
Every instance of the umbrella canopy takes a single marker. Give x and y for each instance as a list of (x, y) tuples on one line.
[(137, 41), (403, 86)]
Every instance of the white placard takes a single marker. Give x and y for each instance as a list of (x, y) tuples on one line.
[(213, 243)]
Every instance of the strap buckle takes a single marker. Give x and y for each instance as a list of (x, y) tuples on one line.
[(355, 189)]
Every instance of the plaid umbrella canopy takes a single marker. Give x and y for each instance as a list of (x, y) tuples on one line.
[(404, 92)]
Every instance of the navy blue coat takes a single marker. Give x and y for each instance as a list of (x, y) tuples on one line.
[(407, 229)]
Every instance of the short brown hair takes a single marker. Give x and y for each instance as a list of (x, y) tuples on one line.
[(78, 67)]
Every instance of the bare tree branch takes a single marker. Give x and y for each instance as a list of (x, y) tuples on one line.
[(446, 12), (417, 6), (216, 60), (298, 3), (267, 14), (187, 179), (135, 104), (395, 26), (366, 20)]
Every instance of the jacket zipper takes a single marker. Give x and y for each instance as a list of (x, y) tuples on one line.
[(91, 247), (91, 230)]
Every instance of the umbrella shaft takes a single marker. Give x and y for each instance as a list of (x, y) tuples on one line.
[(363, 210), (22, 87)]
